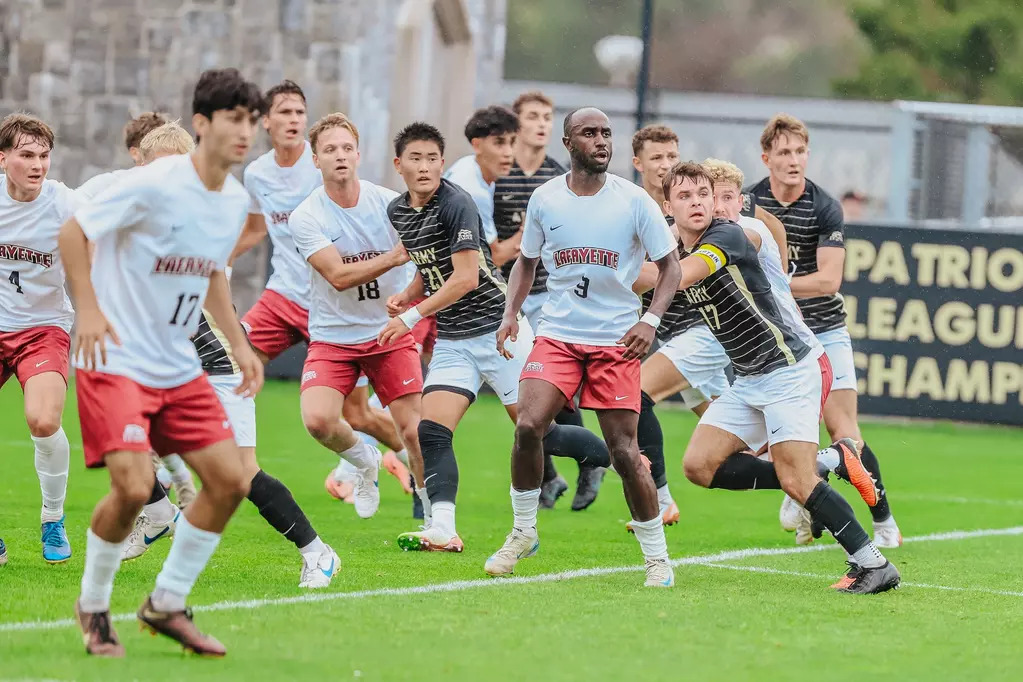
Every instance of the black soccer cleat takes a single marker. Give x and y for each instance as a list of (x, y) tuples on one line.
[(587, 486), (860, 580), (551, 491)]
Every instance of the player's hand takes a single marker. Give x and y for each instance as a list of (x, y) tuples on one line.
[(392, 331), (509, 329), (399, 255), (397, 304), (92, 329), (637, 341), (252, 371)]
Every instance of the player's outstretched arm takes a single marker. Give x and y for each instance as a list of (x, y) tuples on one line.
[(640, 337), (331, 266), (465, 278), (253, 233), (218, 304), (91, 326), (828, 278)]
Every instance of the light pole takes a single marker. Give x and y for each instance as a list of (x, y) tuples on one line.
[(643, 81)]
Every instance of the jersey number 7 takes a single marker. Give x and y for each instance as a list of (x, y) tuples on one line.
[(15, 279), (194, 300)]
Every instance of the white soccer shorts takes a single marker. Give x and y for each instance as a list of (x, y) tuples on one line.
[(700, 358), (777, 407), (241, 410), (464, 364), (532, 307), (838, 346)]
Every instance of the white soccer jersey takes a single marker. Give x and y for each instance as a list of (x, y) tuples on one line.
[(359, 233), (593, 247), (276, 192), (468, 175), (32, 289), (95, 185), (770, 261), (159, 235)]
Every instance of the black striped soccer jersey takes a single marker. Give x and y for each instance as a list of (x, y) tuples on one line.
[(736, 303), (447, 224), (213, 348), (511, 196), (811, 221)]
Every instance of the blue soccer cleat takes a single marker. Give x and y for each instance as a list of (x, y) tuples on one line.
[(56, 549), (3, 552)]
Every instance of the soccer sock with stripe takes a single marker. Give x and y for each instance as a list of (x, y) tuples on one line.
[(743, 471), (880, 511), (829, 508), (52, 460), (277, 505), (441, 473)]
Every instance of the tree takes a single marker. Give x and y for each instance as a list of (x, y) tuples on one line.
[(944, 50)]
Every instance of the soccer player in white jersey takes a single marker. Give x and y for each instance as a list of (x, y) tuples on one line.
[(35, 313), (134, 132), (163, 236), (594, 230), (343, 230)]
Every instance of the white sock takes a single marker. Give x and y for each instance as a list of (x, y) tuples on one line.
[(367, 439), (344, 470), (314, 548), (427, 508), (161, 512), (102, 559), (868, 556), (53, 458), (664, 496), (651, 538), (524, 506), (189, 554), (402, 456), (829, 457), (178, 471), (444, 518), (362, 456), (163, 475)]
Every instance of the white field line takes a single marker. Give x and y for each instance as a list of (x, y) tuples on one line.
[(955, 499), (459, 585)]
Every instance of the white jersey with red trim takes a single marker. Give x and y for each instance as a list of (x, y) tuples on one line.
[(355, 315), (593, 247), (275, 192), (32, 286), (160, 234)]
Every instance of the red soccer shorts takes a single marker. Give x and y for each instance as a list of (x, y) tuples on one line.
[(394, 371), (34, 351), (119, 414), (275, 324), (608, 381)]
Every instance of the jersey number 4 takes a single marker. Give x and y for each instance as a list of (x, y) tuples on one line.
[(15, 279), (183, 302)]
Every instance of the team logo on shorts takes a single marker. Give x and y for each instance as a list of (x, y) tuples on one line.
[(133, 433), (309, 376), (464, 236), (533, 367)]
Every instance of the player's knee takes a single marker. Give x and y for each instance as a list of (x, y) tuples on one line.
[(132, 491), (320, 425), (529, 430), (43, 423), (410, 434), (696, 469), (624, 457), (797, 482)]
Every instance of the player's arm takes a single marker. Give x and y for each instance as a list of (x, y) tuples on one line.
[(218, 304), (647, 278), (465, 278), (331, 266), (504, 250), (777, 230), (253, 233), (415, 290), (716, 251), (830, 257), (91, 325)]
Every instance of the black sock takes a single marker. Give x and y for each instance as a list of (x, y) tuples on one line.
[(438, 461), (880, 511), (569, 417), (276, 504), (829, 508), (158, 492), (550, 472), (743, 471), (651, 440), (577, 442)]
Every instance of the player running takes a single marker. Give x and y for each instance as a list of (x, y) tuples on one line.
[(594, 231), (440, 226), (35, 313), (780, 385), (816, 244), (163, 236), (343, 230)]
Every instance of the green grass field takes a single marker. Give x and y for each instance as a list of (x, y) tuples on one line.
[(763, 613)]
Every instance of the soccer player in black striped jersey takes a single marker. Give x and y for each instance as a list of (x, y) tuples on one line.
[(780, 384), (816, 245), (441, 229)]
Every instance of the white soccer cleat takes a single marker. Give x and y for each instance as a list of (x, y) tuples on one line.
[(318, 571), (887, 534), (804, 526), (518, 545), (788, 515), (367, 488), (430, 540), (145, 533), (659, 573)]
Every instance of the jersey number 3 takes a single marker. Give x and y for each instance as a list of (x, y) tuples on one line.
[(15, 279), (582, 289)]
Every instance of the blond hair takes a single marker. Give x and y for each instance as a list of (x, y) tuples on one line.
[(783, 124), (13, 126), (170, 138), (724, 171), (335, 120)]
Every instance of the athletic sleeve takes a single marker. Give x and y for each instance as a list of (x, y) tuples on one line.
[(461, 219), (653, 230), (532, 230), (832, 225), (723, 244), (307, 232), (120, 206)]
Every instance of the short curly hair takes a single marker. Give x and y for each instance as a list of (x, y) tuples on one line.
[(492, 120), (13, 126)]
